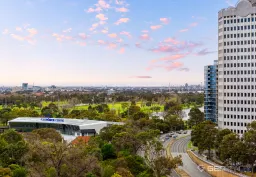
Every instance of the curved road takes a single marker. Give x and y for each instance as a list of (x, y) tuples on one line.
[(179, 147)]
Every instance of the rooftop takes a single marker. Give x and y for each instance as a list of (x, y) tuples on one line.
[(77, 122)]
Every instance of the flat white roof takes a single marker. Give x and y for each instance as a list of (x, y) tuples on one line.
[(67, 121)]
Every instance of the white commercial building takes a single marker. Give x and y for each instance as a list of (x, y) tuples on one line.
[(237, 66), (68, 128)]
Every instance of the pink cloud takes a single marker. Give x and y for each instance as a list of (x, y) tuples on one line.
[(6, 31), (90, 10), (18, 29), (122, 50), (112, 45), (67, 30), (166, 66), (32, 31), (25, 26), (120, 40), (183, 30), (165, 20), (138, 45), (122, 9), (165, 48), (141, 77), (82, 43), (156, 27), (105, 31), (174, 57), (101, 17), (101, 42), (17, 37), (122, 20), (176, 47), (144, 37), (193, 24), (172, 40), (61, 38), (144, 31), (120, 2), (113, 35), (29, 38), (173, 65), (94, 26), (128, 34), (82, 35), (103, 4)]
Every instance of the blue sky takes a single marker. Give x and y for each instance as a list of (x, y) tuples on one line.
[(107, 42)]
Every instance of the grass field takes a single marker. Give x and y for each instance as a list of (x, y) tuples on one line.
[(46, 103), (190, 146), (118, 106)]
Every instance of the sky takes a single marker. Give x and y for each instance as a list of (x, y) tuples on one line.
[(107, 42)]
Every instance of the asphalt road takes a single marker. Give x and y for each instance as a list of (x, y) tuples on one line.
[(165, 144), (179, 147)]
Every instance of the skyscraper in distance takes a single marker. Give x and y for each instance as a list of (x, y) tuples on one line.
[(24, 86), (237, 66)]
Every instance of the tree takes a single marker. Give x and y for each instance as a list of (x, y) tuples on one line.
[(140, 115), (250, 143), (108, 151), (203, 135), (175, 110), (196, 117), (231, 149), (60, 160), (107, 133), (116, 175), (220, 135), (124, 105), (124, 172), (5, 172), (18, 171), (12, 148), (162, 166), (48, 134), (108, 171), (168, 105), (8, 116), (136, 164), (133, 109), (174, 122)]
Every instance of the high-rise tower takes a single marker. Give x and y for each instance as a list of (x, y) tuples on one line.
[(210, 92), (237, 66)]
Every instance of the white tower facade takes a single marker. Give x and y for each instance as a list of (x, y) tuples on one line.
[(237, 66)]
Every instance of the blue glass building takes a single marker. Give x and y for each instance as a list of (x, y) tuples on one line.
[(210, 92)]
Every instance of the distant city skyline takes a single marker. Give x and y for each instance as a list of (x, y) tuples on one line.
[(103, 42)]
